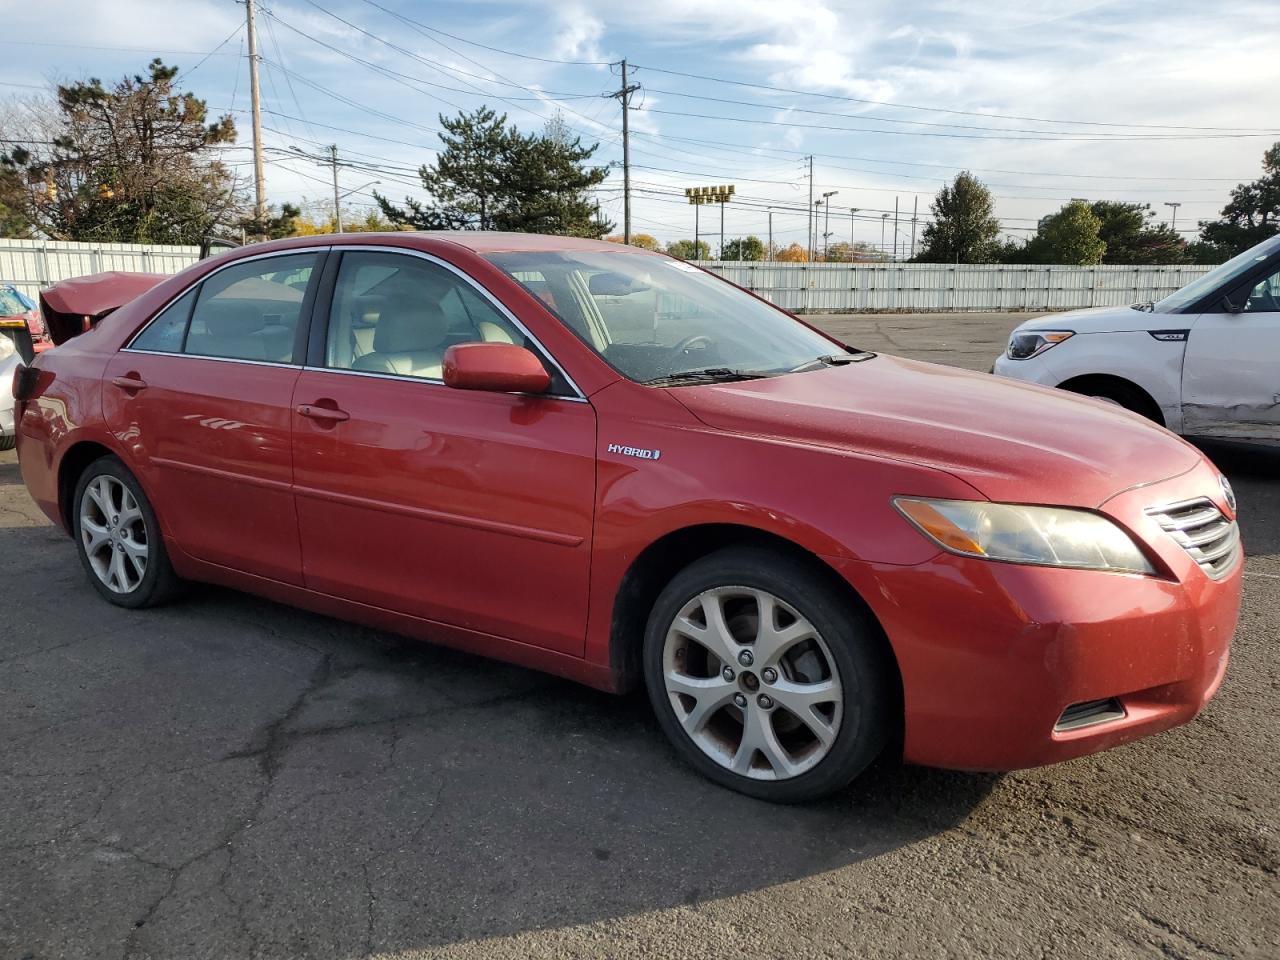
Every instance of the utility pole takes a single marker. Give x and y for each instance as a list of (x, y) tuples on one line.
[(697, 208), (853, 223), (624, 96), (883, 248), (915, 209), (811, 217), (895, 228), (1173, 223), (337, 206), (769, 251), (259, 182)]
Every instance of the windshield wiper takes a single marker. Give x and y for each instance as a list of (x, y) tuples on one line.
[(833, 360), (706, 375), (1147, 306)]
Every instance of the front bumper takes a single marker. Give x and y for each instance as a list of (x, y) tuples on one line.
[(1034, 370), (992, 654), (7, 403)]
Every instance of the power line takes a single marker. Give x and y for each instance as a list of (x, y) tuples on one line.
[(909, 106), (857, 117), (962, 136), (507, 53)]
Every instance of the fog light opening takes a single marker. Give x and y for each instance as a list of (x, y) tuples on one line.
[(1089, 713)]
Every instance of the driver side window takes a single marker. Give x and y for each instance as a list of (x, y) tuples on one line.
[(1265, 296), (398, 314)]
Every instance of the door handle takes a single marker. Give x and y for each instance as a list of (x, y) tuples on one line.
[(130, 382), (323, 414)]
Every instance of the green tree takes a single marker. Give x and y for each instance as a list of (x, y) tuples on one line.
[(744, 248), (463, 181), (964, 227), (685, 250), (130, 163), (489, 176), (859, 253), (1252, 214), (1070, 236), (1132, 236), (546, 187)]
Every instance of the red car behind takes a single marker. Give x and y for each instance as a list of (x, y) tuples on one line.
[(611, 465)]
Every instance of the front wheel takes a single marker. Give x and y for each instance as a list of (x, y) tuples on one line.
[(765, 678), (118, 537)]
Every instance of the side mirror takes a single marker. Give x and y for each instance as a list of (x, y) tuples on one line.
[(496, 367), (1230, 306)]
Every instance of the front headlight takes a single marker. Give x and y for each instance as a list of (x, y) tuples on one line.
[(1024, 346), (1049, 536)]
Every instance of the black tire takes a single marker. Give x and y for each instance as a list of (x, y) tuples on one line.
[(8, 443), (159, 583), (857, 649)]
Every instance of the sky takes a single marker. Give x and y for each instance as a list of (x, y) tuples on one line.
[(1156, 101)]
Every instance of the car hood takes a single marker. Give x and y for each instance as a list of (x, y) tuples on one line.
[(70, 307), (1012, 441), (1104, 320)]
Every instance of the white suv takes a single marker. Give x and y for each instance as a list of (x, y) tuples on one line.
[(1204, 361)]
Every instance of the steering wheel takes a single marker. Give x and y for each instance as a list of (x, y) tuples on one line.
[(699, 341)]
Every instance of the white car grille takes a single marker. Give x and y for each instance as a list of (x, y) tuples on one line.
[(1199, 527)]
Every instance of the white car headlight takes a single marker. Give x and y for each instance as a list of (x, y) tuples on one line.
[(1048, 536), (7, 348), (1032, 343)]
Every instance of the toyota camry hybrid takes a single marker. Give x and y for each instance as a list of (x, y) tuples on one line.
[(611, 465)]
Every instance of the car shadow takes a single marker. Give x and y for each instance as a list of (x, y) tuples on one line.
[(1252, 469), (294, 784)]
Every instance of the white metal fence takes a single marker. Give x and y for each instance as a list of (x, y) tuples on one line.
[(32, 264), (833, 287), (929, 287)]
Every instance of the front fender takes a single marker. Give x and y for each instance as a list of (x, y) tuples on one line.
[(1135, 356)]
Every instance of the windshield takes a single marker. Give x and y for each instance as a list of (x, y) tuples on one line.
[(654, 318), (1219, 276), (13, 303)]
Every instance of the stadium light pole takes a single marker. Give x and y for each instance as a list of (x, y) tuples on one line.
[(826, 221)]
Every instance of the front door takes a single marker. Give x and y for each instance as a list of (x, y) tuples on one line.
[(468, 508), (1231, 369), (202, 400)]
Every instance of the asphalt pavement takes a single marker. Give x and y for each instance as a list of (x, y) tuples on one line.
[(226, 777)]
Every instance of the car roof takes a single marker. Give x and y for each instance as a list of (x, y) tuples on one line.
[(477, 241)]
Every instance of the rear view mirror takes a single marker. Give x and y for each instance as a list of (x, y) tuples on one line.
[(614, 285), (496, 367), (1231, 306)]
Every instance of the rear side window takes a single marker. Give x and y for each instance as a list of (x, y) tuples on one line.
[(250, 311), (164, 334)]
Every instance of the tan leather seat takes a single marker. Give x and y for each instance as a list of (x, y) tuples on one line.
[(490, 332), (408, 340)]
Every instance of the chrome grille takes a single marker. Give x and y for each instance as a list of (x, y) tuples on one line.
[(1199, 527)]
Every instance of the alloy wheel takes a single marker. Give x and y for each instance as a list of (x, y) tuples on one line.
[(113, 532), (752, 683)]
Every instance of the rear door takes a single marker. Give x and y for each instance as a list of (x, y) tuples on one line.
[(1231, 368), (201, 399), (469, 508)]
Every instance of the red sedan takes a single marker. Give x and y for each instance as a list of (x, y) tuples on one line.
[(611, 465)]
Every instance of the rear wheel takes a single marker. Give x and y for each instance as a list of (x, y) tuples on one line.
[(118, 537), (8, 442), (765, 678)]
